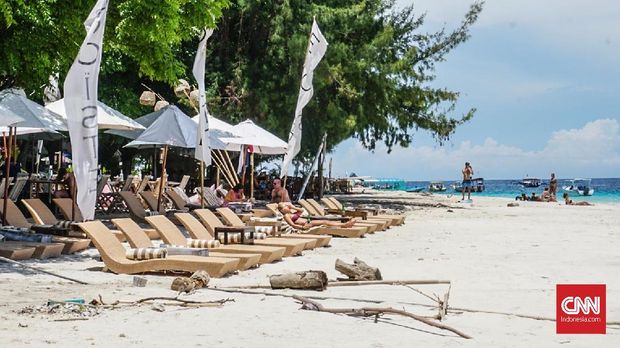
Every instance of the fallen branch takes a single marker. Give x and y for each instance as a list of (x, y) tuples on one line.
[(41, 271), (70, 319), (386, 282), (369, 311)]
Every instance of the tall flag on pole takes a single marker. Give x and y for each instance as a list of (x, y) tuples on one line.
[(316, 50), (203, 150), (80, 90)]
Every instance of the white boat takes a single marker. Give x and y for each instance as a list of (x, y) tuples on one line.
[(437, 186), (582, 187)]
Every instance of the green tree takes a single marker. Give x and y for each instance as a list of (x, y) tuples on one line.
[(373, 83)]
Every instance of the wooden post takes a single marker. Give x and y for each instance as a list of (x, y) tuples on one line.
[(202, 184), (217, 176), (73, 193), (252, 175), (161, 179), (7, 164)]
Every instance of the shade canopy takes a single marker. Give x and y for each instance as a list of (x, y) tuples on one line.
[(34, 117), (107, 118), (264, 142), (172, 127)]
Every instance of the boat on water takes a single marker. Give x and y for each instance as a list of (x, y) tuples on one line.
[(530, 182), (415, 189), (478, 185), (437, 186), (582, 187), (384, 184)]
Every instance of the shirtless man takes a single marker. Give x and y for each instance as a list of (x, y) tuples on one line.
[(553, 186), (468, 172), (279, 194)]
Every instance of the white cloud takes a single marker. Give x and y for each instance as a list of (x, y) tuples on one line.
[(593, 150)]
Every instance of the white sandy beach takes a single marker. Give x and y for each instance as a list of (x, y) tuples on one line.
[(498, 259)]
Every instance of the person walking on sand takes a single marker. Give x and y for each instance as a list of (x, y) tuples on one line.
[(553, 186), (468, 172)]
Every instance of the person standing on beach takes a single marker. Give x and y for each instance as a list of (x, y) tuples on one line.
[(553, 186), (468, 172)]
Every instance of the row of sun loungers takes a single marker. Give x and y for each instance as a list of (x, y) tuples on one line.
[(231, 244)]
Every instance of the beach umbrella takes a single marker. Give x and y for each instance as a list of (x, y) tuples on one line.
[(263, 142), (171, 128), (107, 118), (35, 118)]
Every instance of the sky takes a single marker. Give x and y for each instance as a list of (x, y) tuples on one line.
[(545, 80)]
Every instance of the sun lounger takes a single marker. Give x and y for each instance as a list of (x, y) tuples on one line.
[(345, 232), (138, 239), (113, 255), (212, 223), (396, 218), (16, 251), (380, 224), (198, 231), (230, 218), (314, 214), (70, 245)]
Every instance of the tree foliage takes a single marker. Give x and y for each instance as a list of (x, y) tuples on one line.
[(373, 83)]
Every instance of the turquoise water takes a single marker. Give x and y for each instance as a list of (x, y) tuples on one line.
[(606, 190)]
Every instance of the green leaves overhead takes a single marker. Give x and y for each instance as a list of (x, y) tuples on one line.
[(373, 83)]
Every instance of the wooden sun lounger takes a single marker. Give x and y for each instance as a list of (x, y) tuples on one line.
[(41, 250), (345, 232), (67, 245), (396, 219), (138, 239), (318, 214), (212, 222), (113, 255), (71, 212), (231, 219), (16, 251), (198, 231), (381, 224), (321, 240)]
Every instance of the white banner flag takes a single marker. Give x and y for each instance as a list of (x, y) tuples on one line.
[(80, 90), (316, 50), (203, 148)]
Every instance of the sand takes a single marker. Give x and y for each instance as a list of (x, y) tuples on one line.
[(498, 258)]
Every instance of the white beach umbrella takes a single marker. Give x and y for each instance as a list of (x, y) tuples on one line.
[(264, 142), (107, 118)]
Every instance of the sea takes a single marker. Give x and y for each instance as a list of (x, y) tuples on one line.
[(606, 190)]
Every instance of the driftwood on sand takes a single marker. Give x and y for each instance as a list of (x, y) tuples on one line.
[(308, 280), (376, 312), (358, 270)]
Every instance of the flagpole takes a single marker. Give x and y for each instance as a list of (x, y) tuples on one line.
[(252, 174)]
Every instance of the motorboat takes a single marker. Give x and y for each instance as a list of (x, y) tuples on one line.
[(437, 186), (530, 182), (415, 189), (582, 187), (477, 185)]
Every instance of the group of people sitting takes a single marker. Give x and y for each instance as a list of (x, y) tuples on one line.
[(548, 196)]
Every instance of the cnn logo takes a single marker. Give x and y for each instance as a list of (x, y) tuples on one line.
[(575, 305), (580, 308)]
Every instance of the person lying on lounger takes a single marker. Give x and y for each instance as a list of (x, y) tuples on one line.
[(292, 216), (569, 201)]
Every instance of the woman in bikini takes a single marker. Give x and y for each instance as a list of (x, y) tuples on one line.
[(292, 216), (569, 201)]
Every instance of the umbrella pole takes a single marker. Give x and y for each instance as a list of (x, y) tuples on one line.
[(7, 164), (217, 176), (229, 176), (202, 184), (73, 194), (234, 172), (252, 175), (161, 180)]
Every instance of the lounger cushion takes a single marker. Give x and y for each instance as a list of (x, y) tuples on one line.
[(236, 237), (146, 253), (264, 230), (63, 224), (151, 213), (202, 243)]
